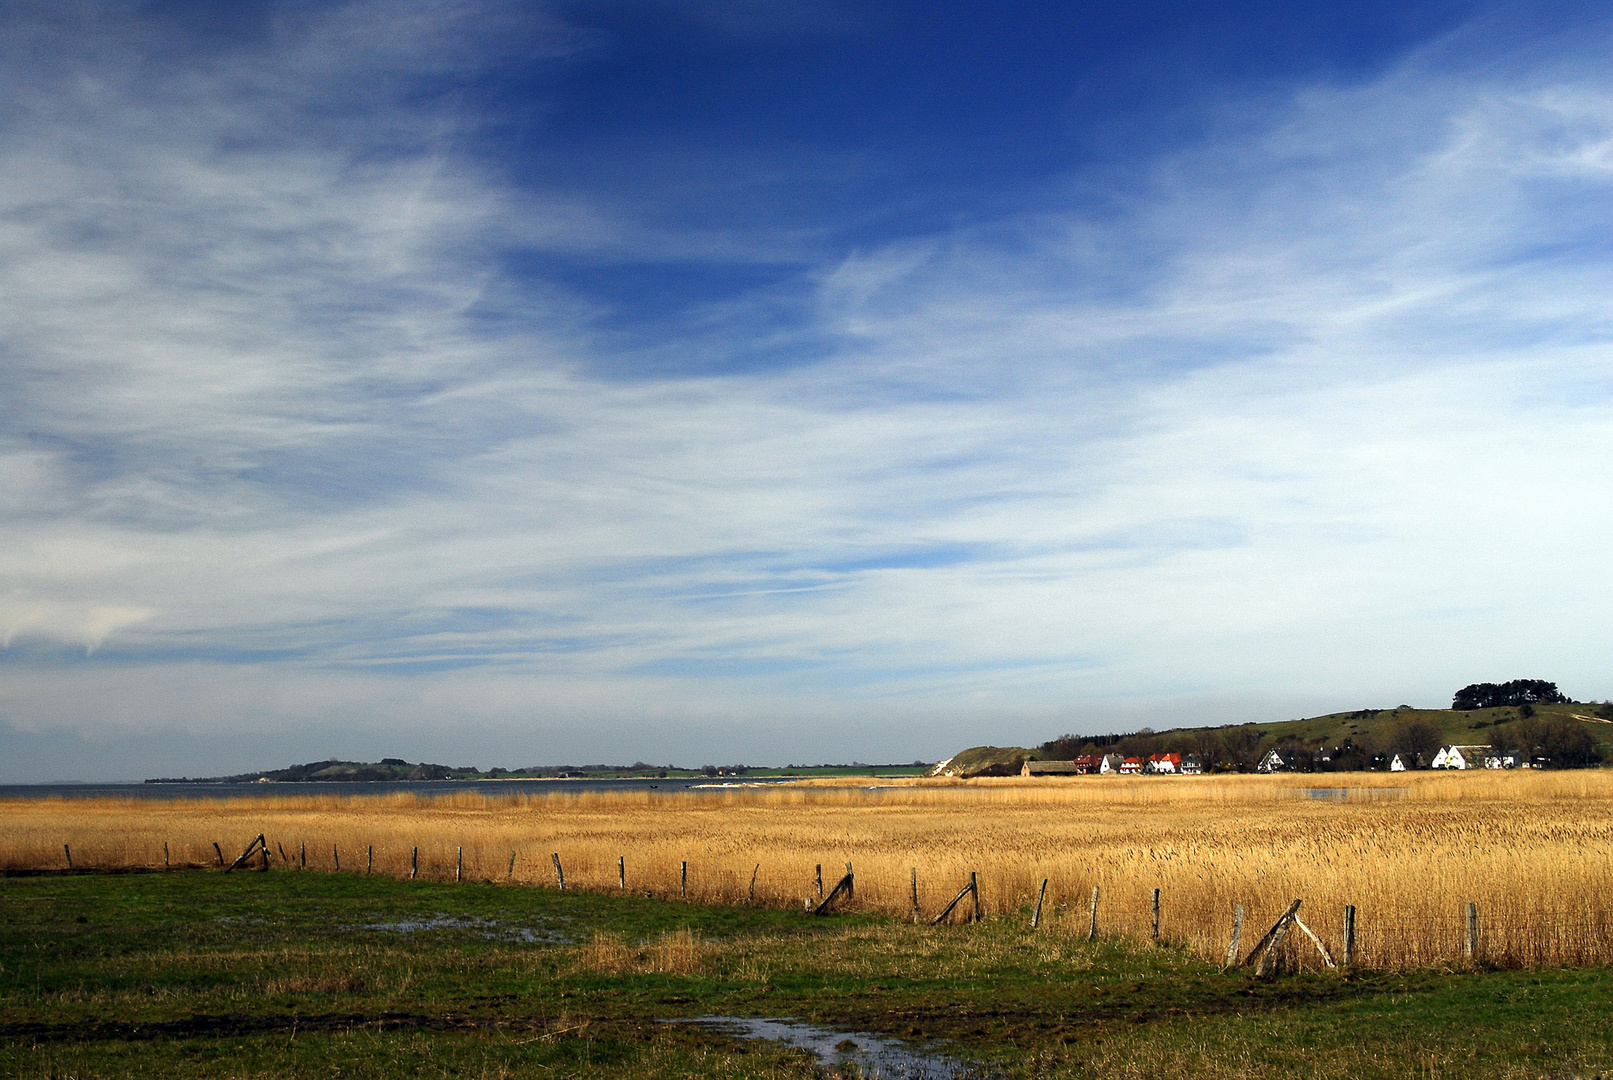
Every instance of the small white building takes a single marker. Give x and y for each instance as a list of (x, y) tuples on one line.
[(1274, 761), (1461, 757), (1398, 764)]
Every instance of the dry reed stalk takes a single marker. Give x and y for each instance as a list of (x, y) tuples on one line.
[(1409, 851)]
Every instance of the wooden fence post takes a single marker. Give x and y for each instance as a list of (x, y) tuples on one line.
[(915, 879), (165, 865), (219, 852), (369, 861), (263, 850), (510, 874), (1472, 930), (1267, 948), (851, 882), (559, 871), (683, 881), (1036, 919), (1156, 916), (336, 857), (1092, 931), (1237, 932), (974, 890), (621, 871), (753, 874), (956, 900), (414, 864), (69, 853), (302, 855), (843, 886), (1349, 935), (282, 849), (459, 863), (820, 881)]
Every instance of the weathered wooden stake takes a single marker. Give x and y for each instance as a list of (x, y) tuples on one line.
[(1237, 932), (956, 900), (414, 864), (1036, 919), (369, 860), (915, 894), (974, 890), (1327, 957), (1156, 915), (459, 863), (302, 855), (621, 871), (263, 850), (1092, 931), (683, 881), (1267, 948), (219, 852), (851, 881), (844, 886), (282, 848), (820, 881), (336, 856), (510, 876), (246, 855), (559, 871), (1472, 930), (1349, 935), (165, 864), (69, 853), (753, 874)]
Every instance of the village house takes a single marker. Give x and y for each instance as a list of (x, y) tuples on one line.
[(1274, 761), (1132, 766), (1051, 768), (1089, 763), (1398, 764), (1191, 765), (1110, 763), (1163, 763), (1461, 757)]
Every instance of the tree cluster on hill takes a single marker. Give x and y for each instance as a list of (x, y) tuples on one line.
[(1486, 695), (1550, 741)]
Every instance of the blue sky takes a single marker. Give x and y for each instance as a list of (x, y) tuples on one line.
[(506, 384)]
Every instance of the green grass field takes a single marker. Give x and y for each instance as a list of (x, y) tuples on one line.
[(331, 975)]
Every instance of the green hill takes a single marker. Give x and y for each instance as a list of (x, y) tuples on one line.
[(1370, 731)]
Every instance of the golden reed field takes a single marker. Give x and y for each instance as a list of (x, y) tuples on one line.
[(1533, 850)]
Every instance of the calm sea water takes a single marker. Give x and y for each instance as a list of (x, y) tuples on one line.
[(380, 787)]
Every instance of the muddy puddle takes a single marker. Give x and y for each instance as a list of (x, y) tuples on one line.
[(491, 929), (874, 1057)]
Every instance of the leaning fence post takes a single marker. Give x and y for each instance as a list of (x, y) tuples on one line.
[(753, 874), (621, 871), (336, 856), (974, 891), (1092, 931), (851, 882), (282, 849), (1349, 935), (1237, 932), (559, 871), (459, 863), (820, 881), (683, 881), (414, 864), (69, 853), (1036, 919), (1156, 915), (1472, 929), (216, 850), (915, 879)]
